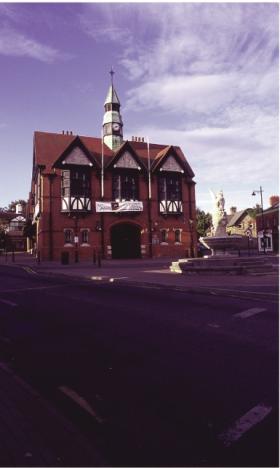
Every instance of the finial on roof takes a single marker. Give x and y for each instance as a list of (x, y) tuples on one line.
[(112, 75)]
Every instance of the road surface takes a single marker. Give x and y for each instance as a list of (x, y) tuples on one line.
[(155, 377)]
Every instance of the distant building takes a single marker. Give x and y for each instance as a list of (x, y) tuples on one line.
[(268, 227), (12, 223), (241, 222), (125, 199)]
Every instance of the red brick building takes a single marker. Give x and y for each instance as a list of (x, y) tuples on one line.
[(268, 227), (125, 199)]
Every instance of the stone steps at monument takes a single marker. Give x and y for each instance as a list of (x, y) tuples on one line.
[(229, 266)]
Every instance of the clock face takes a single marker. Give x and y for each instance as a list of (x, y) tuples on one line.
[(116, 126)]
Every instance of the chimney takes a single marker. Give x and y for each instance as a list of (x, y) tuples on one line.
[(232, 210), (19, 208), (273, 200)]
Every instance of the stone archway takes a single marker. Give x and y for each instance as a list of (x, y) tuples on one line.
[(126, 240)]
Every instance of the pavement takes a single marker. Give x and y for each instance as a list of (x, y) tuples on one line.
[(33, 433), (156, 273)]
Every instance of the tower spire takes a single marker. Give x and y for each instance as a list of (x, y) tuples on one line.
[(112, 120), (112, 75)]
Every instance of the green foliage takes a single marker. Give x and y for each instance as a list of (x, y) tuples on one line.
[(254, 211), (203, 222), (12, 205), (4, 240)]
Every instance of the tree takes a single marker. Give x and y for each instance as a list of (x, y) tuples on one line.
[(12, 205), (203, 222), (5, 240), (254, 211)]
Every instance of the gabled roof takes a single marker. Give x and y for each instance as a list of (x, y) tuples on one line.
[(48, 148), (270, 209), (126, 146), (52, 147), (237, 217), (77, 142)]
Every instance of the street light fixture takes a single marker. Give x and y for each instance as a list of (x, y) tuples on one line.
[(191, 230), (263, 229)]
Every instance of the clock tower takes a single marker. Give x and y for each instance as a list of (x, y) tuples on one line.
[(112, 120)]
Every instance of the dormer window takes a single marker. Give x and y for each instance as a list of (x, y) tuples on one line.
[(170, 193), (125, 185), (75, 189)]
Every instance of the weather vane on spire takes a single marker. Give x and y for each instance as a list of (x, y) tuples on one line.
[(112, 75)]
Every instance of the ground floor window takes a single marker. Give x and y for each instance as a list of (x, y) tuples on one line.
[(85, 236), (177, 234), (68, 236), (164, 235)]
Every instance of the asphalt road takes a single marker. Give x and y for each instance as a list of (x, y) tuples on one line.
[(155, 377)]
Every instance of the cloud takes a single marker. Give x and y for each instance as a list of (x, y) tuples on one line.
[(187, 38), (207, 74), (16, 44), (237, 155)]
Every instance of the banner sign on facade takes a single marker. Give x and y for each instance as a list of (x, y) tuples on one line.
[(117, 207)]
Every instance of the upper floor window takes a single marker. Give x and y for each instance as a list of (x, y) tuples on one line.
[(75, 190), (125, 185), (75, 183), (170, 193)]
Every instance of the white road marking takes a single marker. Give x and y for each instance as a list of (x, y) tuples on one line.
[(10, 303), (30, 270), (111, 280), (249, 312), (81, 402), (213, 325), (242, 291), (244, 424), (29, 289)]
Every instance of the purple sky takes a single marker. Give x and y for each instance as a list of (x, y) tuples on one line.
[(201, 76)]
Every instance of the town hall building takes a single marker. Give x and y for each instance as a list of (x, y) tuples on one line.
[(109, 196)]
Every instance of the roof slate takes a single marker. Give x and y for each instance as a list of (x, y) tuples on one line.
[(236, 217), (48, 148)]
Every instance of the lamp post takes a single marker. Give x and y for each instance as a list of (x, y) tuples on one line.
[(191, 231), (253, 195)]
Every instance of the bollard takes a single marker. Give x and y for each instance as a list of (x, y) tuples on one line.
[(94, 256), (38, 257), (13, 256), (99, 260), (76, 256)]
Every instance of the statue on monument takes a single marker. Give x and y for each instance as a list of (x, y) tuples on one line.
[(219, 217)]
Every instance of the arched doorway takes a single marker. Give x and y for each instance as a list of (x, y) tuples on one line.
[(125, 241)]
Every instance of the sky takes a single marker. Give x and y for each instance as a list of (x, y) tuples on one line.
[(203, 76)]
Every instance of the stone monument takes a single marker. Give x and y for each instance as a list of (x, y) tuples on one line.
[(219, 241), (219, 217)]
